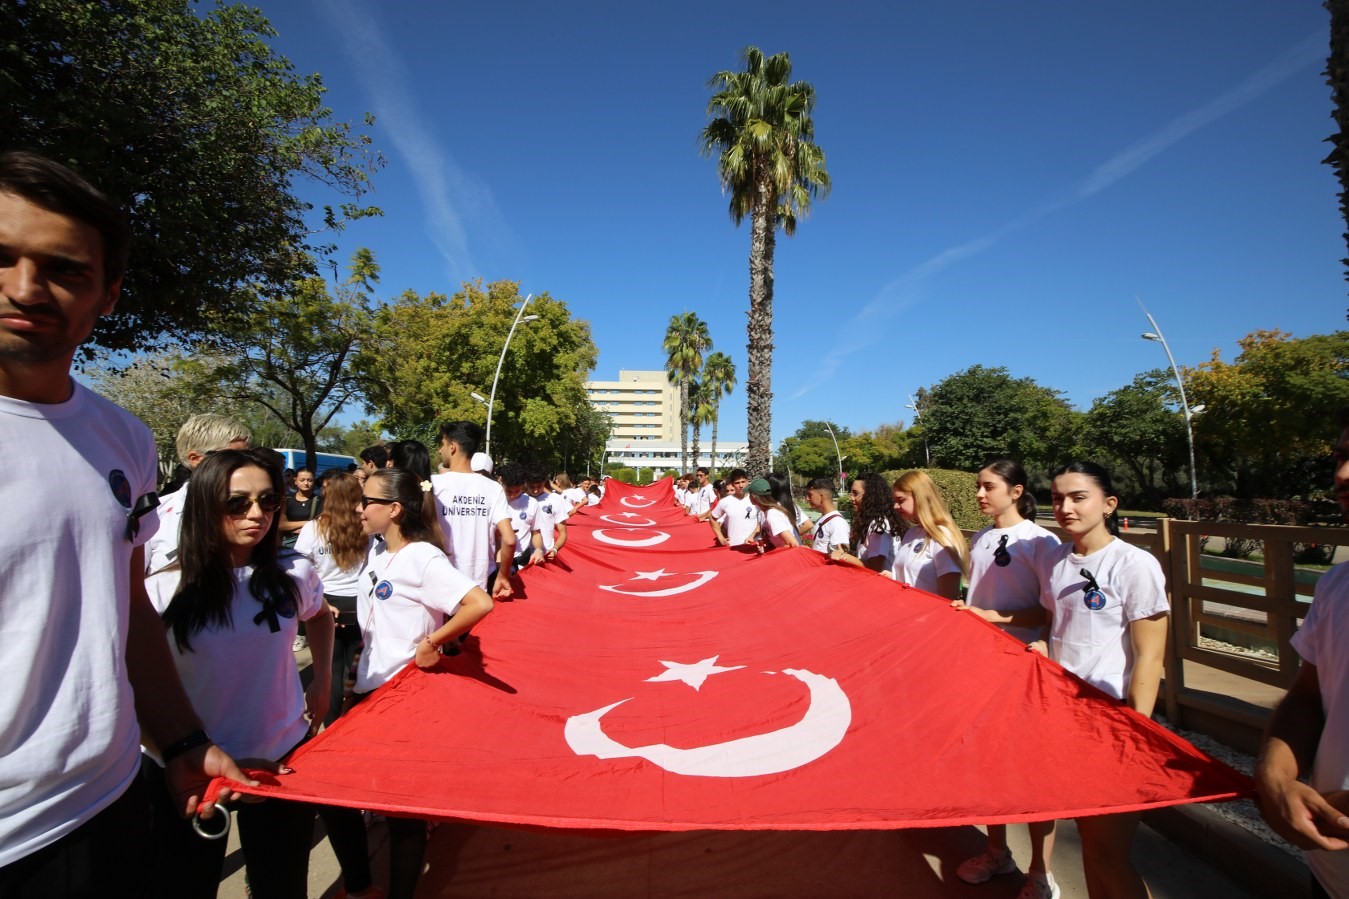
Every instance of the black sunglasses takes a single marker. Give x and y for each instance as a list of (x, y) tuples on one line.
[(378, 500), (238, 503)]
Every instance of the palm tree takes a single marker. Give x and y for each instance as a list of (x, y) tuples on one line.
[(700, 412), (685, 340), (719, 376), (771, 167)]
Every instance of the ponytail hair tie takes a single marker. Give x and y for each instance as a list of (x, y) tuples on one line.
[(426, 486)]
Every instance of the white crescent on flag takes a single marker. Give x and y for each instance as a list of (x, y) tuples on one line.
[(626, 520), (821, 729), (700, 578), (602, 535)]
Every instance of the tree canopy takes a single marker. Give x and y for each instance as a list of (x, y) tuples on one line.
[(427, 355), (192, 123)]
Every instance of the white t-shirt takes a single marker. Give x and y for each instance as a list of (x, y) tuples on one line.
[(574, 495), (1093, 641), (703, 498), (831, 531), (404, 596), (1323, 641), (878, 541), (593, 499), (524, 520), (69, 743), (337, 581), (738, 517), (1016, 584), (162, 548), (921, 561), (260, 715), (470, 507), (553, 509), (776, 523), (681, 497)]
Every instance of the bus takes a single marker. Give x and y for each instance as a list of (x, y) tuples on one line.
[(322, 461)]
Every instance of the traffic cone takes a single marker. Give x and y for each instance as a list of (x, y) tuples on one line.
[(1126, 524)]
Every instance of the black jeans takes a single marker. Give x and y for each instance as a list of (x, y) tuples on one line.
[(108, 855), (275, 836), (346, 645)]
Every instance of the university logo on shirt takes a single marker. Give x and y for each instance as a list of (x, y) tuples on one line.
[(383, 590)]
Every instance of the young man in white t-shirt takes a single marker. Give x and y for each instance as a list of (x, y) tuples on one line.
[(198, 436), (703, 495), (472, 511), (735, 520), (832, 529), (554, 510), (524, 511), (1308, 734), (79, 632)]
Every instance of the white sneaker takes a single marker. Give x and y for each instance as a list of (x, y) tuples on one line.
[(1039, 886), (986, 865)]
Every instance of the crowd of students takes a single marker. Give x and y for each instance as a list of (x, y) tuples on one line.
[(1093, 603)]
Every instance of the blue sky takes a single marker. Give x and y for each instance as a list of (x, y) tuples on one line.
[(1007, 178)]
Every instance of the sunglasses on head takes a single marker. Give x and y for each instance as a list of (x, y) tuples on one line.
[(378, 500), (237, 504)]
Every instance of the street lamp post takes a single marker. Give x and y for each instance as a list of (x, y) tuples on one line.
[(918, 419), (520, 317), (837, 454), (1156, 335)]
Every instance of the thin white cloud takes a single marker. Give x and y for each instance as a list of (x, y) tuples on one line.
[(447, 193), (903, 291)]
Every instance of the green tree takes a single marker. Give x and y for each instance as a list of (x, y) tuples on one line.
[(763, 135), (810, 450), (686, 339), (1266, 428), (983, 412), (719, 375), (200, 130), (700, 412), (291, 354), (427, 355), (1138, 427)]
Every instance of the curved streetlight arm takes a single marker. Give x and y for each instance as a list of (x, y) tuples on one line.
[(492, 398), (1156, 335), (836, 453)]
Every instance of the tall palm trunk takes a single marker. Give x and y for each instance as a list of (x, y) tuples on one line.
[(716, 416), (684, 424), (758, 388), (697, 427)]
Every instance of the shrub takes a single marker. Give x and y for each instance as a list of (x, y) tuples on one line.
[(1256, 511), (957, 488)]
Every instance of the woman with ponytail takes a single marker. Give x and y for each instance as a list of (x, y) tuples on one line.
[(1107, 608), (412, 602), (1004, 589)]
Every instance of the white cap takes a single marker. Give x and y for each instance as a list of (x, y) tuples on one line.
[(481, 462)]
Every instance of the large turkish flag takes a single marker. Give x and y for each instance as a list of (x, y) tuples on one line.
[(650, 680)]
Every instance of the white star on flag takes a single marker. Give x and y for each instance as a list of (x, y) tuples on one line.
[(694, 674), (650, 576)]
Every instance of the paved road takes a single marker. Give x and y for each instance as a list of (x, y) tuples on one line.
[(466, 862)]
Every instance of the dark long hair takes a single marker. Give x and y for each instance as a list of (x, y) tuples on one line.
[(1012, 474), (877, 506), (413, 456), (419, 523), (782, 492), (206, 586), (1102, 479)]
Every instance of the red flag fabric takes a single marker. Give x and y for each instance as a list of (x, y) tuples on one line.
[(650, 680)]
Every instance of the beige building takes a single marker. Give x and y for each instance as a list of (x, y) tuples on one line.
[(642, 405)]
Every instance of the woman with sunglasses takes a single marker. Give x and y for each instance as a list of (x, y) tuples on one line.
[(933, 555), (1004, 589), (1107, 608), (337, 545), (231, 603), (875, 525), (412, 602)]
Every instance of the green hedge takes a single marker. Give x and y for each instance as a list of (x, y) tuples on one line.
[(957, 488)]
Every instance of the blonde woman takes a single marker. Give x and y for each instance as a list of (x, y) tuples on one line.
[(933, 555)]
